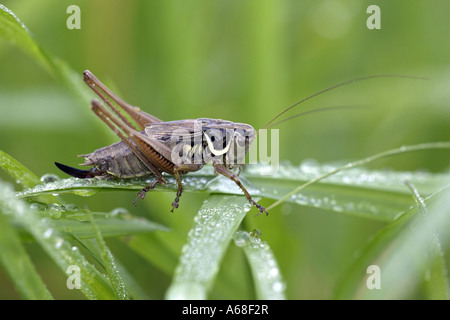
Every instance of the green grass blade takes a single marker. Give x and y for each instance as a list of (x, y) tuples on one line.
[(267, 277), (21, 174), (17, 263), (437, 282), (15, 32), (110, 225), (111, 267), (402, 251), (388, 153), (372, 194), (214, 226), (155, 251), (93, 284)]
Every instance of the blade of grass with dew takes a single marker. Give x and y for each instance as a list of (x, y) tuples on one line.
[(436, 277), (155, 251), (213, 228), (73, 221), (372, 194), (112, 270), (134, 288), (108, 226), (401, 150), (406, 238), (267, 277), (94, 285), (74, 224), (22, 175), (18, 265), (15, 32)]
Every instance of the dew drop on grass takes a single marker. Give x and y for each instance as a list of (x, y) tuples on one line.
[(47, 233), (85, 192), (58, 243), (241, 238), (54, 210), (255, 233), (71, 207), (278, 286), (119, 212), (49, 177)]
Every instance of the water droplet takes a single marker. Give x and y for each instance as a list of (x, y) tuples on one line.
[(58, 243), (274, 272), (47, 233), (278, 286), (241, 238), (119, 212), (49, 177), (37, 206), (54, 210), (85, 192), (255, 233), (71, 207)]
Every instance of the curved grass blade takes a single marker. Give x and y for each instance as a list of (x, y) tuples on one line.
[(94, 285), (437, 282), (214, 226), (109, 224), (267, 277), (401, 250), (372, 194), (389, 153), (21, 174), (155, 250), (111, 267), (17, 263), (15, 32)]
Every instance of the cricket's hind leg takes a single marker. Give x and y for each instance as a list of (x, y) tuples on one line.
[(141, 194)]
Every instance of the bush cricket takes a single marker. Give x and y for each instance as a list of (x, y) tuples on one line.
[(151, 147)]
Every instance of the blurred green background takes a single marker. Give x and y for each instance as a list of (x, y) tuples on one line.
[(245, 61)]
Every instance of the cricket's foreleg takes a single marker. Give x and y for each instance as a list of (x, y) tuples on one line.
[(227, 173)]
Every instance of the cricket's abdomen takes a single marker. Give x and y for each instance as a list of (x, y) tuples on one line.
[(116, 160)]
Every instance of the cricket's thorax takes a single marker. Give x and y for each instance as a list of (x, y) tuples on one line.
[(200, 141)]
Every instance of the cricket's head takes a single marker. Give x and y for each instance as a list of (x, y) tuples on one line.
[(226, 141)]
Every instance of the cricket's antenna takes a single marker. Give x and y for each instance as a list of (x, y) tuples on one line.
[(268, 125), (273, 124)]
